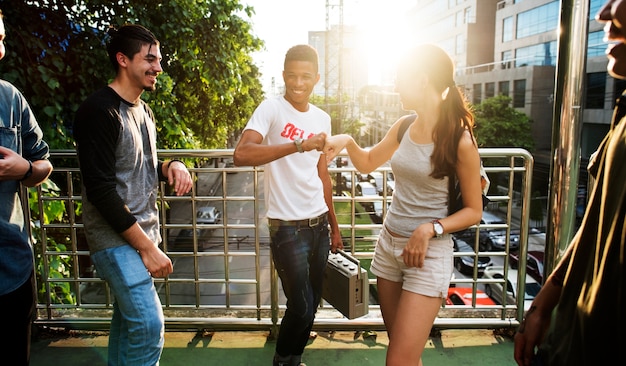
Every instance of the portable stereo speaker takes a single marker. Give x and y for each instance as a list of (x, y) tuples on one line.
[(346, 285)]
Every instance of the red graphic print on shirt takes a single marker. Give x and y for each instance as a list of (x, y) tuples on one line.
[(292, 132)]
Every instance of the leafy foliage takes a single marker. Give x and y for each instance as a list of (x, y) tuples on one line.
[(500, 125), (56, 56), (54, 266)]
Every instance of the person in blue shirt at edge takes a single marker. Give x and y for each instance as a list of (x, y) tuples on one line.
[(115, 136), (23, 160), (286, 134), (413, 258), (579, 316)]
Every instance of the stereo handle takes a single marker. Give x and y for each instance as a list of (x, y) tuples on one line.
[(351, 259)]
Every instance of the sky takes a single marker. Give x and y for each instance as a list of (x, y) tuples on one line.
[(284, 23)]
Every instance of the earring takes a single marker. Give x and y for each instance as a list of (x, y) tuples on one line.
[(445, 92)]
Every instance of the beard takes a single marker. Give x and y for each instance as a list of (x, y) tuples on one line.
[(152, 85)]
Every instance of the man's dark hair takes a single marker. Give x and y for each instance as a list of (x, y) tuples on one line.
[(302, 52), (128, 39)]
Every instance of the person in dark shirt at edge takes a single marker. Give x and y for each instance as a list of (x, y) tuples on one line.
[(23, 161), (579, 317), (116, 144), (287, 134)]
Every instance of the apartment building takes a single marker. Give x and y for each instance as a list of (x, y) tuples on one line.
[(510, 47), (505, 47)]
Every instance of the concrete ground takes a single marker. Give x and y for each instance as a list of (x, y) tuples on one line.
[(465, 347)]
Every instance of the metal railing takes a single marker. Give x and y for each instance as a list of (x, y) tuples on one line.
[(223, 276)]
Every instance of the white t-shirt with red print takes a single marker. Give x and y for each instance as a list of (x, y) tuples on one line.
[(293, 189)]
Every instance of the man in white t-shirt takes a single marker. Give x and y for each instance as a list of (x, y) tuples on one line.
[(287, 134)]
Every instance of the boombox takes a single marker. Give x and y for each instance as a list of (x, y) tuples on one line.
[(346, 285)]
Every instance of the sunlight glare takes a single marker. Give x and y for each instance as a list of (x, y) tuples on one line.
[(386, 34)]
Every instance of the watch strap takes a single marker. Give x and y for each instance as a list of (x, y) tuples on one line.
[(29, 172)]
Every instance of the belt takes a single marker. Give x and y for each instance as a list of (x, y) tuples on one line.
[(312, 222)]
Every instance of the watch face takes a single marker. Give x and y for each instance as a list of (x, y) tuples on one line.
[(298, 142), (438, 228)]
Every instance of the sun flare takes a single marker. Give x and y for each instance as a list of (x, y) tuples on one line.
[(386, 33)]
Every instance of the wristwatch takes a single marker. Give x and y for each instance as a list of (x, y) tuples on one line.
[(438, 228), (29, 172), (298, 142)]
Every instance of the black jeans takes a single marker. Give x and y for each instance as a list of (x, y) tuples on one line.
[(18, 310), (300, 254)]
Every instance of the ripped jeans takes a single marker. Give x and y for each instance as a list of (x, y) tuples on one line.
[(300, 254)]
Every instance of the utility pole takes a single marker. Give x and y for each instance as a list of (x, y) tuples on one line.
[(333, 60), (333, 47)]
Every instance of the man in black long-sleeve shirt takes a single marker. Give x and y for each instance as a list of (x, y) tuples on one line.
[(116, 135)]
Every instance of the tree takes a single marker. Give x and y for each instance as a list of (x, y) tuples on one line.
[(57, 57), (209, 88), (500, 125)]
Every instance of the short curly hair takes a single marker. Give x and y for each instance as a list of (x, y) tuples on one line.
[(302, 52)]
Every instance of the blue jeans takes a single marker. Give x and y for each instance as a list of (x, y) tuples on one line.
[(300, 254), (137, 325)]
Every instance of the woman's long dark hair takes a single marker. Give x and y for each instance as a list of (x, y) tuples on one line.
[(455, 115), (455, 118)]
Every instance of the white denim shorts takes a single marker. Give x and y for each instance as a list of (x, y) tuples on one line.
[(433, 279)]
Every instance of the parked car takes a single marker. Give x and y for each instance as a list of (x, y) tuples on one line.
[(367, 189), (495, 290), (465, 296), (534, 263), (378, 180), (208, 215), (465, 263), (377, 216), (496, 240), (346, 180), (490, 238), (229, 164)]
